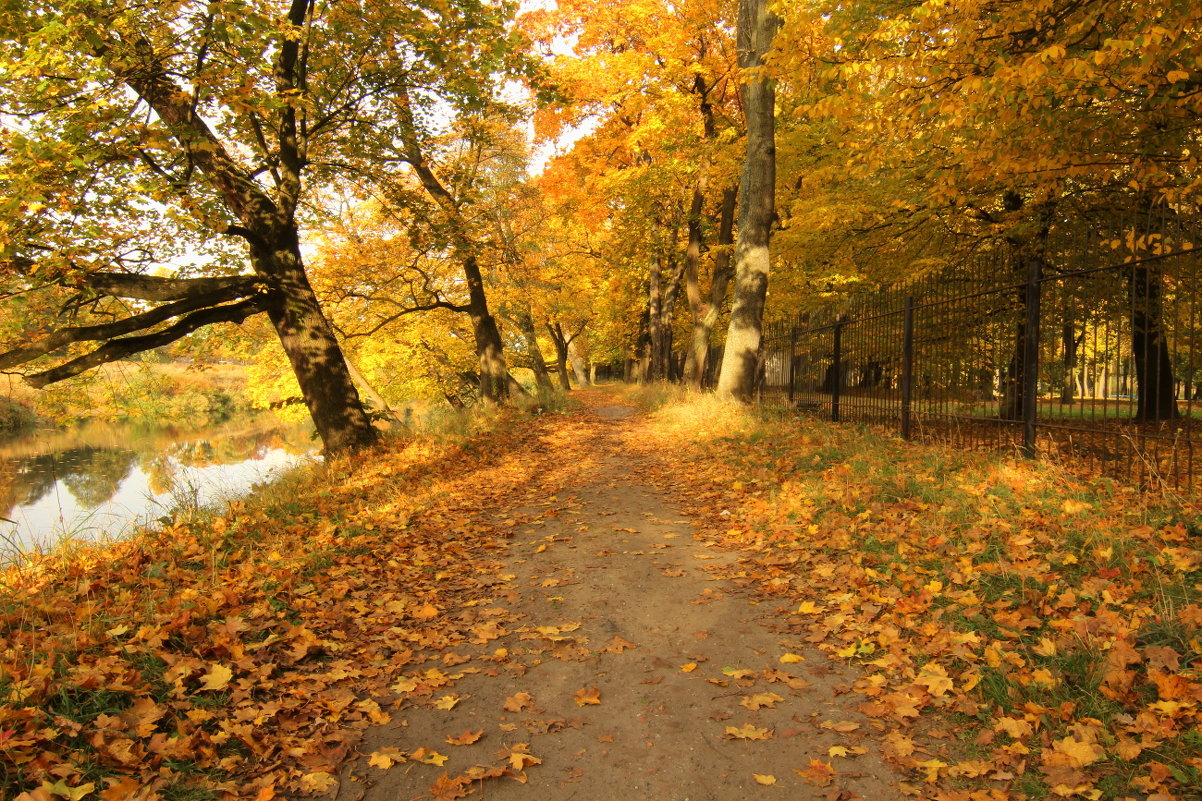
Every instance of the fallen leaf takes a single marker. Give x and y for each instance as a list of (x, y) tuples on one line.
[(467, 738), (518, 702), (447, 702), (748, 731), (758, 700), (385, 758), (764, 778), (218, 678), (590, 696), (817, 773), (789, 659)]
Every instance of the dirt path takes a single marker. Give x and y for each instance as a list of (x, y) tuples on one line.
[(619, 605)]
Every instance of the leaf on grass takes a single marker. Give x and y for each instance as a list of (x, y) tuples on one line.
[(934, 677), (218, 678)]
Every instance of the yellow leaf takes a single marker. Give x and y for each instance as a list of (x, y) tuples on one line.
[(1045, 648), (790, 659), (689, 668), (318, 782), (218, 678), (447, 701), (429, 757), (808, 608), (427, 612), (1078, 754), (747, 731), (757, 700), (405, 684), (1176, 75), (837, 751), (385, 758), (766, 779), (934, 677)]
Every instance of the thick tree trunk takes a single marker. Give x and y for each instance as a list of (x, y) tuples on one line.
[(703, 323), (561, 341), (494, 375), (309, 343), (542, 378), (1155, 398), (757, 207)]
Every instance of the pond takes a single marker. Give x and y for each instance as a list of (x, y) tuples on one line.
[(101, 480)]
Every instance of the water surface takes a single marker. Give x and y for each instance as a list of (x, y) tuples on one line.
[(101, 480)]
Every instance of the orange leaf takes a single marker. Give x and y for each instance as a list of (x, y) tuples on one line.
[(590, 696), (518, 702), (467, 738)]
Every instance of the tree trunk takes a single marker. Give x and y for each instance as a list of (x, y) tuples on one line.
[(494, 375), (703, 323), (538, 366), (369, 390), (1068, 340), (1155, 399), (309, 343), (561, 353), (757, 207), (577, 362)]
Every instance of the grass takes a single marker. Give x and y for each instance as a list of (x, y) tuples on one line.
[(1045, 573)]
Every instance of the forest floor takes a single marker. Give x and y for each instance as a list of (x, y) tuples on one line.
[(695, 602)]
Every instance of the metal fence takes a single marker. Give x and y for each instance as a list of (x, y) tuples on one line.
[(1083, 347)]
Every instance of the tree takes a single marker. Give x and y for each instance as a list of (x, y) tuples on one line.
[(757, 205), (140, 123)]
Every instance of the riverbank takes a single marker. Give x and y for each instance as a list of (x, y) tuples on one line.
[(1009, 632)]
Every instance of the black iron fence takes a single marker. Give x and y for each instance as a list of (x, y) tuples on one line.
[(1080, 347)]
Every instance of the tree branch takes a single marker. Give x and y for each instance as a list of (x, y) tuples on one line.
[(120, 348), (138, 322)]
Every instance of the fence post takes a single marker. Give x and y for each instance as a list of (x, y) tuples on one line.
[(1031, 355), (792, 362), (907, 376), (837, 369)]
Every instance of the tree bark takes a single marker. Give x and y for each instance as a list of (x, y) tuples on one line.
[(757, 208), (312, 350), (577, 362), (703, 323), (525, 323), (1154, 384)]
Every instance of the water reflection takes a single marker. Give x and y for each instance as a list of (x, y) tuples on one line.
[(101, 479)]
